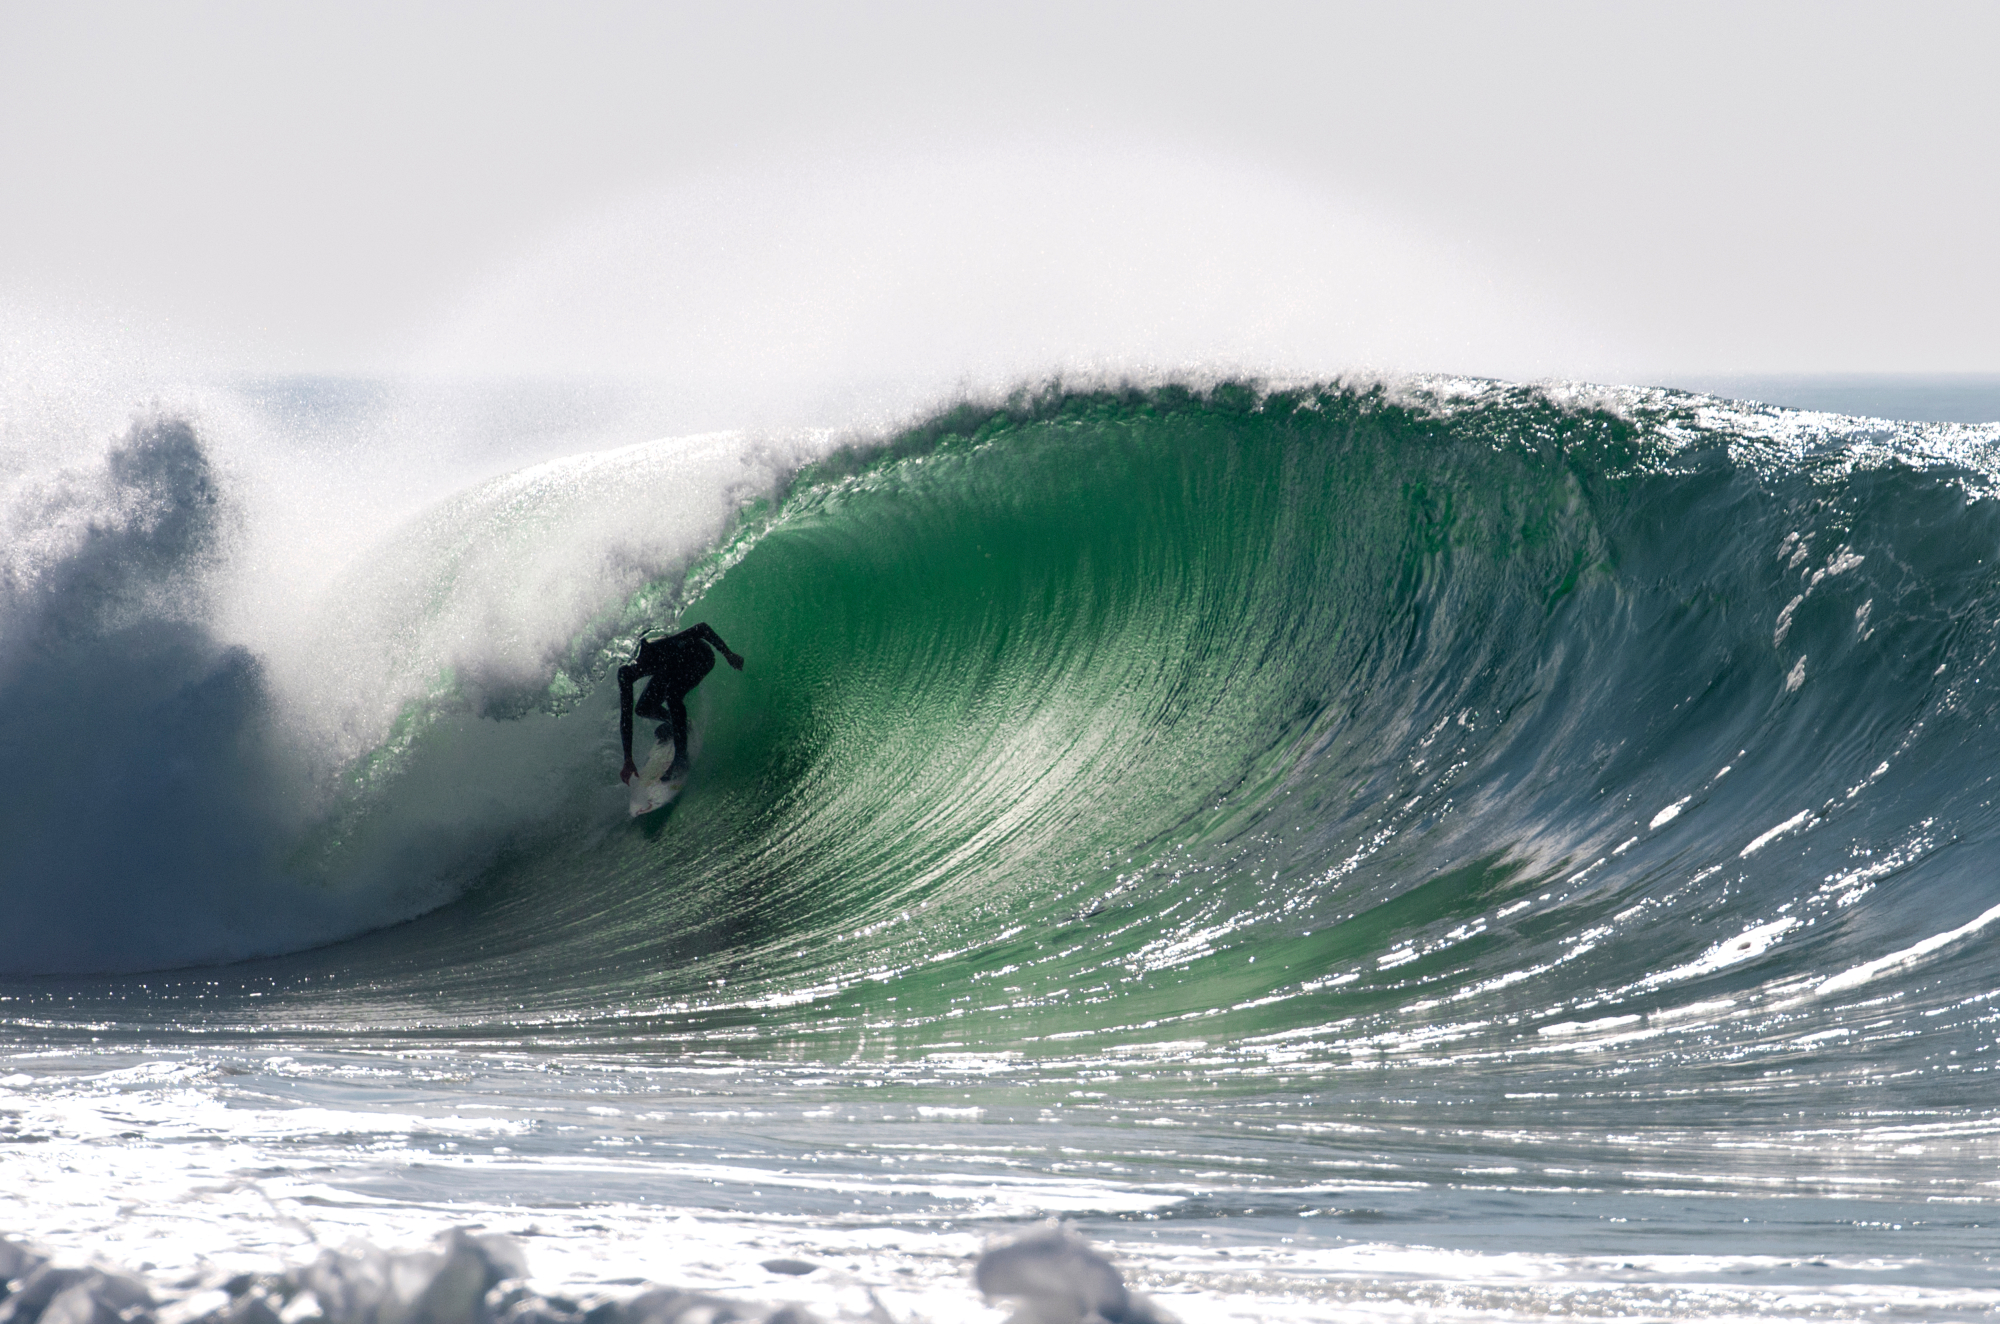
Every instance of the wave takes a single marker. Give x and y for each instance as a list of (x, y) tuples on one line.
[(1504, 716)]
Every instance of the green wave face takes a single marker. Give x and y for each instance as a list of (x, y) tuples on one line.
[(1064, 706), (1241, 716)]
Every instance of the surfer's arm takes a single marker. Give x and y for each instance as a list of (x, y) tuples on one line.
[(626, 675), (703, 631)]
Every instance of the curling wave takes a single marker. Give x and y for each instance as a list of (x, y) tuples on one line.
[(1539, 718)]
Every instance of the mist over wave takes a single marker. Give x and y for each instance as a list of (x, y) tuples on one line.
[(136, 755)]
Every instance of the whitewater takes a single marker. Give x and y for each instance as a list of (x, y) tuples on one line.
[(1394, 847)]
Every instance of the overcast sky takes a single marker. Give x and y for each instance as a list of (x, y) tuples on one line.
[(1603, 190)]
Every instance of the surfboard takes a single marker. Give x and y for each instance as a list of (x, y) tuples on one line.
[(650, 788)]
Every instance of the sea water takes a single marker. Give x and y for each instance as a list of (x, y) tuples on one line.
[(1420, 848)]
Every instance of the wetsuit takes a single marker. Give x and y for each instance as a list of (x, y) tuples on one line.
[(676, 664)]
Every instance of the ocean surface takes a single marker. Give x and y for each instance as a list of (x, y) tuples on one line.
[(1407, 849)]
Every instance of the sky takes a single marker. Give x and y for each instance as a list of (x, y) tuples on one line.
[(811, 195)]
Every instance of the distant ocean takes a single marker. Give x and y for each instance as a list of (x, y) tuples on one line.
[(1429, 848), (1907, 397)]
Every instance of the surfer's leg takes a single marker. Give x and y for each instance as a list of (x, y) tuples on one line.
[(678, 717), (649, 707)]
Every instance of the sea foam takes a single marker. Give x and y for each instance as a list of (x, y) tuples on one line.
[(470, 1277)]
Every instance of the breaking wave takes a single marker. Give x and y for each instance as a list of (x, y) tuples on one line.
[(1535, 716)]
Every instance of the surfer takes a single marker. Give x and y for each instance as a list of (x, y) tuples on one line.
[(676, 664)]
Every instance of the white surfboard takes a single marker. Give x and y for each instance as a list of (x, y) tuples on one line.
[(650, 788)]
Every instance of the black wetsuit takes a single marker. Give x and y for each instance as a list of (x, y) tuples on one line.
[(676, 664)]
